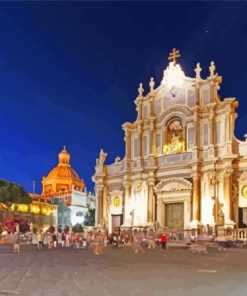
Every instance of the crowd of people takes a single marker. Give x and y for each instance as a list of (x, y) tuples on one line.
[(95, 240)]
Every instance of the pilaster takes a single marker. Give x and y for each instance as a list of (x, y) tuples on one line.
[(151, 201)]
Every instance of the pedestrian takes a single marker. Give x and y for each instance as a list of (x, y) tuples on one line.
[(40, 238), (136, 244), (59, 238), (49, 240), (54, 240), (115, 240), (17, 242), (67, 240), (151, 239), (34, 239), (163, 241), (63, 239)]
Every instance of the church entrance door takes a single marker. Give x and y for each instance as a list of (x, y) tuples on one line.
[(117, 221), (174, 215)]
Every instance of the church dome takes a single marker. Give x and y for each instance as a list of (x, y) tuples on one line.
[(63, 172), (62, 177), (63, 169)]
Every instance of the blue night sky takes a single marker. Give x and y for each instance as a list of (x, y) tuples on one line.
[(69, 74)]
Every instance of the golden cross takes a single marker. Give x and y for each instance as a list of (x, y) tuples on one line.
[(173, 55)]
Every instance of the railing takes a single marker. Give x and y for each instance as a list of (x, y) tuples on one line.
[(169, 159), (239, 234), (115, 169)]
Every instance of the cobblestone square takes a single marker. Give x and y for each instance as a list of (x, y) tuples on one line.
[(68, 272)]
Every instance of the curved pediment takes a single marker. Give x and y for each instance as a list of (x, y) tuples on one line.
[(177, 110), (173, 185)]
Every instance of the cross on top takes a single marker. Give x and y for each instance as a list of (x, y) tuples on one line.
[(173, 55)]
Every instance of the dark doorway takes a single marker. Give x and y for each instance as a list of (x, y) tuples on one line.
[(117, 221)]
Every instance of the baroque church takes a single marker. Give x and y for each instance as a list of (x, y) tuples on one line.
[(183, 167), (63, 186)]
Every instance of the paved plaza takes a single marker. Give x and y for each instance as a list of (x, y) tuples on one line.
[(67, 272)]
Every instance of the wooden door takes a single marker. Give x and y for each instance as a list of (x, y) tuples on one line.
[(174, 214)]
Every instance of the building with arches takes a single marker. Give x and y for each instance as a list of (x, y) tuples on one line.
[(183, 166)]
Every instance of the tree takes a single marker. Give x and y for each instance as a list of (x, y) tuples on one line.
[(13, 193), (90, 218), (77, 228)]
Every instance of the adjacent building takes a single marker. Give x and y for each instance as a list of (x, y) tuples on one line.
[(64, 187)]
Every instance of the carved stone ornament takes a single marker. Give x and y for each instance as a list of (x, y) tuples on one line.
[(102, 157), (173, 185), (138, 186)]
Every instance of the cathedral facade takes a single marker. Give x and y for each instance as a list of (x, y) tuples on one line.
[(183, 167)]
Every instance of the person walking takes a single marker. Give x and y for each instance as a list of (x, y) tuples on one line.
[(17, 242), (63, 239), (137, 240), (163, 241), (54, 240), (151, 239), (40, 238)]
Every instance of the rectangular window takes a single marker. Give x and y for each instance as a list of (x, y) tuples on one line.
[(145, 112), (206, 96), (158, 143), (218, 132), (191, 140), (205, 130), (145, 145), (191, 98), (136, 147), (157, 107)]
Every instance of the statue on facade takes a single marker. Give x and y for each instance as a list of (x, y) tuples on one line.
[(175, 140), (212, 69), (102, 157), (198, 71), (140, 90), (151, 84)]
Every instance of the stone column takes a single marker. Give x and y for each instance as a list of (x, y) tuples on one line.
[(99, 203), (160, 212), (140, 142), (211, 127), (151, 201), (127, 145), (196, 199), (104, 206), (127, 210), (139, 157), (151, 141), (228, 197)]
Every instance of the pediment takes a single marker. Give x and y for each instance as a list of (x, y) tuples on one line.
[(173, 185)]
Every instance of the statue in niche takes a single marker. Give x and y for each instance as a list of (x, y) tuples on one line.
[(175, 139)]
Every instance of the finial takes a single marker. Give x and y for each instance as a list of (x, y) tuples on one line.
[(140, 90), (64, 147), (151, 84), (212, 69), (198, 70), (173, 55)]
